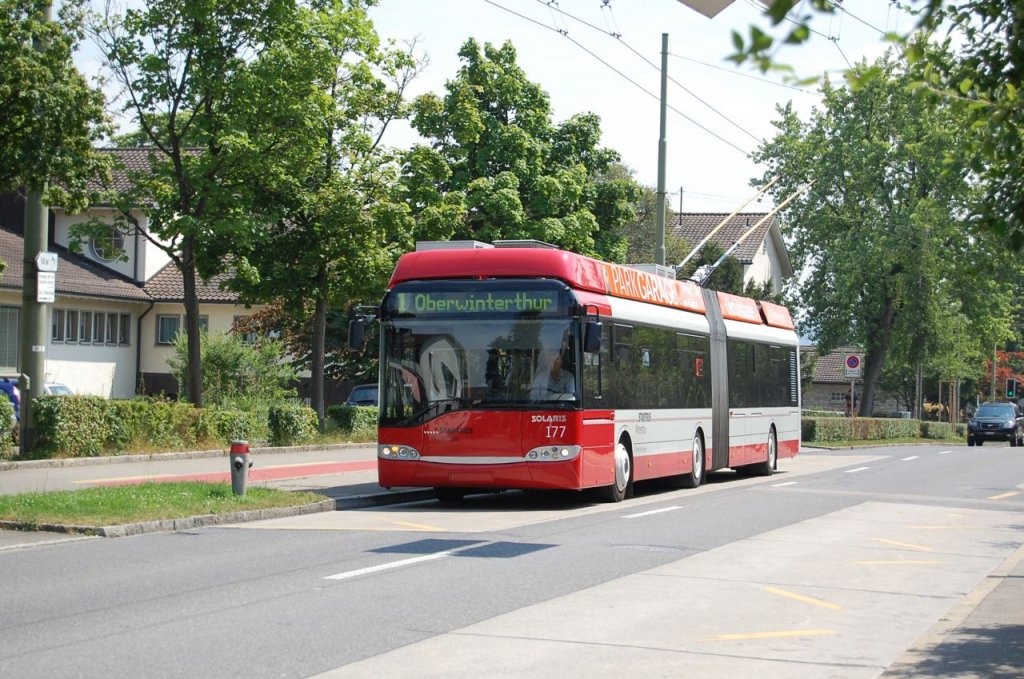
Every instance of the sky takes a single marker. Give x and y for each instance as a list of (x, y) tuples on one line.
[(604, 56), (718, 112)]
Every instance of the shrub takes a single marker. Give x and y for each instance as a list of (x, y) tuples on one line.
[(223, 425), (6, 431), (235, 373), (355, 421), (292, 423)]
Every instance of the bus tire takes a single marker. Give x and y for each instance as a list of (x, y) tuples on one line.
[(622, 487), (695, 476), (767, 468)]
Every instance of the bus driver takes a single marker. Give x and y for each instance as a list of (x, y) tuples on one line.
[(553, 383)]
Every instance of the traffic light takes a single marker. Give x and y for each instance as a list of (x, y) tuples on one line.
[(1011, 388)]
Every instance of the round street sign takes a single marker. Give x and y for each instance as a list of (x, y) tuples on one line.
[(853, 366)]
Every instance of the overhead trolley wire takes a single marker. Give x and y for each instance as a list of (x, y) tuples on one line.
[(618, 37), (618, 72)]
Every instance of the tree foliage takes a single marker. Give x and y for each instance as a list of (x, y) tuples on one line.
[(215, 89), (333, 223), (497, 167), (978, 70), (51, 115), (879, 239)]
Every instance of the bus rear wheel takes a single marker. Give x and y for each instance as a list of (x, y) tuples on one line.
[(621, 487), (767, 468), (696, 475)]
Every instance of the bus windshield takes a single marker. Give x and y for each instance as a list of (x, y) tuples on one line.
[(432, 364)]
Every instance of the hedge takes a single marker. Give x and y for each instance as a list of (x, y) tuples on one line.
[(356, 421), (825, 429), (90, 426), (292, 423)]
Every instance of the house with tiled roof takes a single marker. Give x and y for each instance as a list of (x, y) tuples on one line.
[(763, 253), (829, 386), (114, 320)]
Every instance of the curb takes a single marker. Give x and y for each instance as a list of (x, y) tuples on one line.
[(167, 525), (7, 465)]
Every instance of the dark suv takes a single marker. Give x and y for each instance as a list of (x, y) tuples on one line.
[(996, 422)]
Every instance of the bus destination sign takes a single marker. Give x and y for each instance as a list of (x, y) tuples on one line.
[(461, 302)]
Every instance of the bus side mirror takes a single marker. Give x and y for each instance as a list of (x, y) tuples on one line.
[(356, 331), (592, 337)]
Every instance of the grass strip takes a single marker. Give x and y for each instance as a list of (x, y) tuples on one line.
[(117, 505)]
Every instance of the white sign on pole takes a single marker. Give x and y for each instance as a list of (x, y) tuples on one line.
[(854, 366), (46, 261), (46, 287)]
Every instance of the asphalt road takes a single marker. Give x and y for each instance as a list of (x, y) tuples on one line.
[(833, 568)]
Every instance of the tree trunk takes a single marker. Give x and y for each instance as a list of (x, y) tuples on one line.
[(874, 360), (195, 368), (319, 339)]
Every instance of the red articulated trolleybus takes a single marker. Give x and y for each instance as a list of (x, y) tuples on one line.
[(516, 366)]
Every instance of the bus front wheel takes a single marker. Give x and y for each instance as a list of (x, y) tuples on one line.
[(622, 485)]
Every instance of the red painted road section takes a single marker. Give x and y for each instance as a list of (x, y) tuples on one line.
[(294, 471)]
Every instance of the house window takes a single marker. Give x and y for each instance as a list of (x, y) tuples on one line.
[(57, 331), (108, 248), (839, 396), (247, 337), (85, 327), (124, 329), (167, 329), (9, 338), (111, 328), (98, 327), (71, 332)]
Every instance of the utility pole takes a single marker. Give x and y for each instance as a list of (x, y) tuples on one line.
[(33, 320), (659, 249)]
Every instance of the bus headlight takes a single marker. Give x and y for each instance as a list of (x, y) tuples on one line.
[(553, 453), (396, 452)]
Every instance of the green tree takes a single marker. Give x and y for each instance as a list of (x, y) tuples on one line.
[(215, 89), (885, 259), (51, 115), (335, 223), (979, 70), (498, 168)]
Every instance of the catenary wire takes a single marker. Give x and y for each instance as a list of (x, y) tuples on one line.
[(657, 68), (619, 73)]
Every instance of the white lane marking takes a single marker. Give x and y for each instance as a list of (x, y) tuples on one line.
[(388, 566), (858, 469), (908, 459), (945, 452), (653, 511), (787, 483)]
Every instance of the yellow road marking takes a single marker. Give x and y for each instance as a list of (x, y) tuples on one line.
[(896, 563), (1003, 496), (946, 526), (919, 548), (805, 599), (410, 524), (775, 635)]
